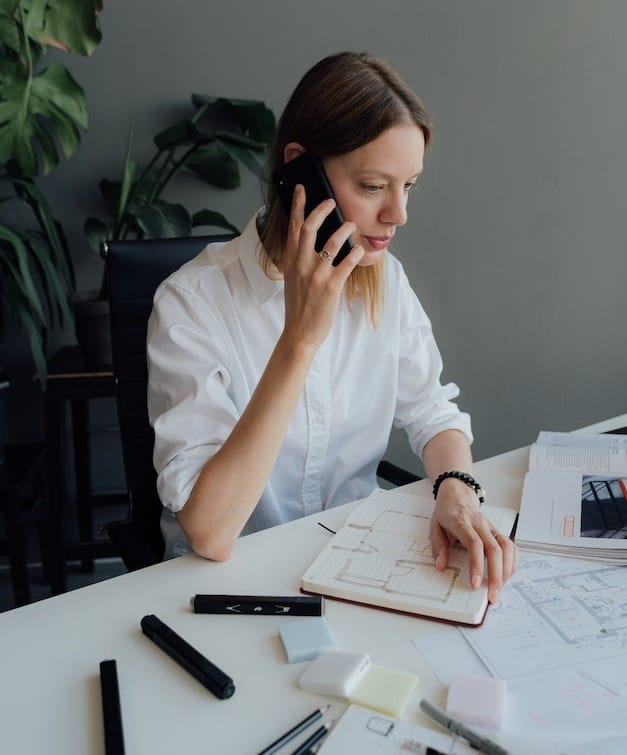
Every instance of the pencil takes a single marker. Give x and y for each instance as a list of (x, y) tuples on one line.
[(293, 732), (306, 746)]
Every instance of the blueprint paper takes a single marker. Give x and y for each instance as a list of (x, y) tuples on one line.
[(555, 613)]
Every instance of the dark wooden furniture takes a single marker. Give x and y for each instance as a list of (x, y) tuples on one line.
[(70, 383), (21, 483)]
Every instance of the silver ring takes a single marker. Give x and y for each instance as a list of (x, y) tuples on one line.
[(327, 256)]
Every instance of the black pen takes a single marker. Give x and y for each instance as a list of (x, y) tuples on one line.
[(111, 712), (260, 605), (201, 668), (294, 731), (313, 739)]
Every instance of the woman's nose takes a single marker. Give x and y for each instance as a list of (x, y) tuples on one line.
[(395, 210)]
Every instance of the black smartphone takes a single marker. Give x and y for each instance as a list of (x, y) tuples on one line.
[(307, 169)]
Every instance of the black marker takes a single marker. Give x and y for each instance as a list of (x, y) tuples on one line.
[(264, 605), (111, 711), (189, 658)]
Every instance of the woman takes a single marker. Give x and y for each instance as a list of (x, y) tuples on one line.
[(275, 376)]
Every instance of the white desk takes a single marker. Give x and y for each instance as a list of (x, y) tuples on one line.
[(50, 651)]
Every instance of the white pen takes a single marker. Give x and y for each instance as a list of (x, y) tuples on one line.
[(484, 744)]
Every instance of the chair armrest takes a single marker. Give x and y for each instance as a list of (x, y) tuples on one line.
[(396, 475)]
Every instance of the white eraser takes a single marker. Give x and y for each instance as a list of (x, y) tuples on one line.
[(477, 700), (334, 672), (303, 640)]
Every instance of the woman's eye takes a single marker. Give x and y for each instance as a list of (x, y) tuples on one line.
[(372, 188), (409, 185)]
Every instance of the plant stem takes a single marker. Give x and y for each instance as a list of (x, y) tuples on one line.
[(176, 166)]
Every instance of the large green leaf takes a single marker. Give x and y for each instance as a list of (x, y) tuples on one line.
[(9, 34), (253, 117), (50, 228), (163, 220), (55, 289), (70, 25), (182, 132), (247, 151), (256, 120), (212, 218), (35, 112), (15, 258), (214, 165)]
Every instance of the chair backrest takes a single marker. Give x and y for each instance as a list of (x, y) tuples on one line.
[(135, 268)]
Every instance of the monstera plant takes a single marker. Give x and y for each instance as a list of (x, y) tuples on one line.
[(42, 114), (219, 134), (209, 144)]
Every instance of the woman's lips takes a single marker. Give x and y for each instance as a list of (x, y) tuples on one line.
[(378, 242)]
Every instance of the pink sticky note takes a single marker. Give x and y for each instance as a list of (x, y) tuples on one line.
[(477, 700)]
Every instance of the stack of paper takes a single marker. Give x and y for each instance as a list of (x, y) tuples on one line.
[(574, 500)]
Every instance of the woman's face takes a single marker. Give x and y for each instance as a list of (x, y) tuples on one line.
[(372, 184)]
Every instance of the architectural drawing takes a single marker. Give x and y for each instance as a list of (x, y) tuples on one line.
[(409, 573), (561, 612)]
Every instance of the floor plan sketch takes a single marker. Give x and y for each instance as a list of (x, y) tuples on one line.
[(409, 572), (382, 557), (561, 612)]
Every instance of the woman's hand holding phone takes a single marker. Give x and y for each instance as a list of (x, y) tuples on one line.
[(313, 286), (308, 170)]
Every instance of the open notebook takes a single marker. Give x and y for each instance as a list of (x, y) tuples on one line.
[(382, 557)]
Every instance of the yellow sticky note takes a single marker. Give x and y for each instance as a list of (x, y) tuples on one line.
[(384, 689)]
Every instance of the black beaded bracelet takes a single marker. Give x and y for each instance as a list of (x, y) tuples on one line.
[(463, 477)]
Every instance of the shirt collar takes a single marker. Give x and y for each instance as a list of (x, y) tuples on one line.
[(251, 253)]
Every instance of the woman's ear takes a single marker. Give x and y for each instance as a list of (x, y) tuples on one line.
[(292, 150)]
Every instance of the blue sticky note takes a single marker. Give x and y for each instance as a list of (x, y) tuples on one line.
[(303, 640)]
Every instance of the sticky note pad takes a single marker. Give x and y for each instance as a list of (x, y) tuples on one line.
[(303, 640), (384, 689), (334, 672), (477, 700)]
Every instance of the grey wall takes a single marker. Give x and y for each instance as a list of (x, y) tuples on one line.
[(517, 237)]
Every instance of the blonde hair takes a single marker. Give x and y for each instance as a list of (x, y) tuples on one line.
[(342, 103)]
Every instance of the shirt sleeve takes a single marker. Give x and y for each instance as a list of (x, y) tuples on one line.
[(424, 406), (188, 380)]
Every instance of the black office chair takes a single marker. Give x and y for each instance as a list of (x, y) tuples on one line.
[(135, 269)]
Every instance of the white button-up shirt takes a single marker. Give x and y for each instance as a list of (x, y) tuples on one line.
[(213, 327)]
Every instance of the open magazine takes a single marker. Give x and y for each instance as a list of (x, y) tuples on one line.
[(574, 499)]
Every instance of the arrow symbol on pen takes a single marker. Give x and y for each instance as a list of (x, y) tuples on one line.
[(283, 609), (234, 608)]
